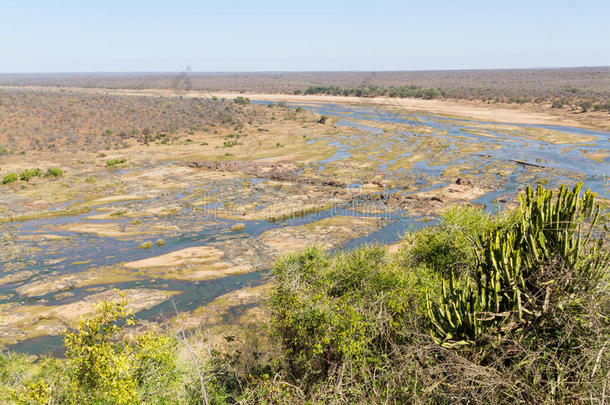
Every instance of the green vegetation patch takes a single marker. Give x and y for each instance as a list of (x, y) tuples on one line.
[(230, 144), (451, 246), (98, 369), (10, 178), (376, 91), (28, 174), (114, 162), (241, 100), (54, 172)]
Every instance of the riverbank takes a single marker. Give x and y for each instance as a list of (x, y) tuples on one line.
[(475, 110)]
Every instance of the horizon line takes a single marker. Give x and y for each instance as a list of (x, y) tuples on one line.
[(305, 71)]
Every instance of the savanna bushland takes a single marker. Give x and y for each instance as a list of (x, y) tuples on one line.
[(58, 120), (579, 89)]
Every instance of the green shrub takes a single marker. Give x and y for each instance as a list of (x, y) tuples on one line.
[(334, 310), (10, 178), (241, 100), (114, 162), (451, 246), (236, 136), (101, 370), (585, 105), (230, 144), (54, 172), (26, 379), (154, 367), (105, 371), (28, 174)]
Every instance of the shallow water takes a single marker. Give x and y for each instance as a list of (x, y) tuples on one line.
[(567, 158)]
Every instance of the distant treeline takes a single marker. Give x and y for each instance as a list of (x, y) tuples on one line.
[(572, 97), (578, 89), (427, 93)]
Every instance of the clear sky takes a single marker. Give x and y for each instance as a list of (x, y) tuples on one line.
[(231, 35)]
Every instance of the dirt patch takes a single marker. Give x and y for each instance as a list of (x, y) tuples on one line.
[(328, 233), (116, 198), (104, 229), (195, 263), (193, 255)]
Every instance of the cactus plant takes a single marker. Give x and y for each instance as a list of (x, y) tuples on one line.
[(519, 270)]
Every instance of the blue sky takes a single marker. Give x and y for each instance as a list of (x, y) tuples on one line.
[(230, 35)]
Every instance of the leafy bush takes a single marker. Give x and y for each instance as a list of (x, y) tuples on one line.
[(28, 174), (114, 162), (98, 368), (146, 245), (230, 144), (54, 172), (238, 227), (331, 311), (10, 178), (451, 246), (241, 100), (236, 136), (155, 367), (585, 105)]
